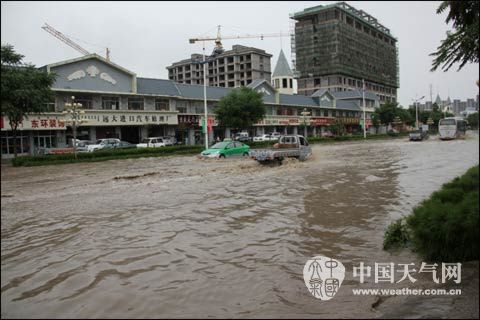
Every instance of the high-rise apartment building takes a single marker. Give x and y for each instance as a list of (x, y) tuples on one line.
[(233, 68), (336, 46)]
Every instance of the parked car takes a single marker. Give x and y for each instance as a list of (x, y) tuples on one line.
[(102, 144), (171, 139), (152, 142), (418, 135), (263, 137), (242, 137), (225, 149), (82, 145), (327, 134), (125, 145), (275, 135)]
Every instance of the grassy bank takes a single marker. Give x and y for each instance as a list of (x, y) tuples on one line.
[(444, 227), (112, 154)]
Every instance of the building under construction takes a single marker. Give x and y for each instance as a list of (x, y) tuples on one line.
[(336, 46), (233, 68)]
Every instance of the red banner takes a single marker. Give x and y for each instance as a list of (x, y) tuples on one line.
[(321, 121), (210, 124)]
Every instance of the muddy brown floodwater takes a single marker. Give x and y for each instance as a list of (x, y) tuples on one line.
[(182, 237)]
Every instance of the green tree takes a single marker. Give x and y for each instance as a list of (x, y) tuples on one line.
[(375, 121), (337, 128), (461, 45), (473, 120), (24, 89), (386, 113), (405, 115), (240, 109)]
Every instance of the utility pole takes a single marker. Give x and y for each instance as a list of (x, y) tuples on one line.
[(431, 96), (205, 96), (364, 122), (416, 111)]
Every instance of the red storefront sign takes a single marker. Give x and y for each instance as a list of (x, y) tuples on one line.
[(36, 122), (321, 121)]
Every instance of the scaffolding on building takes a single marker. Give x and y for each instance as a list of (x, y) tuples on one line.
[(293, 51), (340, 40)]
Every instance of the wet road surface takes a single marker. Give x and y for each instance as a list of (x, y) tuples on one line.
[(182, 237)]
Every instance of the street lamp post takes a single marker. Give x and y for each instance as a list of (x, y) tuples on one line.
[(73, 109), (364, 118), (217, 51), (205, 96), (305, 113), (416, 110)]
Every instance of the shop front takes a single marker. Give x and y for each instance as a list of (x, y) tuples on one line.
[(34, 133), (128, 125), (189, 130), (352, 124)]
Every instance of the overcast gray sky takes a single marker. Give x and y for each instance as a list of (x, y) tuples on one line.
[(146, 37)]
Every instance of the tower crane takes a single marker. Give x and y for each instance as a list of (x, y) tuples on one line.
[(218, 39), (57, 34)]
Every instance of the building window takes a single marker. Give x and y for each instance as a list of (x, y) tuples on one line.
[(349, 21), (86, 101), (181, 106), (50, 106), (284, 83), (110, 103), (291, 83), (135, 104), (23, 142), (161, 104), (196, 107)]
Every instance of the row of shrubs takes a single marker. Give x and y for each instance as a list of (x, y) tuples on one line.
[(110, 154), (107, 154), (444, 227)]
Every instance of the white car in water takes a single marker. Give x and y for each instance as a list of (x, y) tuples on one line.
[(152, 142)]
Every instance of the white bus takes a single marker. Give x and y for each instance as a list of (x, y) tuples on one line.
[(452, 128)]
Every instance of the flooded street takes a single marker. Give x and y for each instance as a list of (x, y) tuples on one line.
[(182, 237)]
